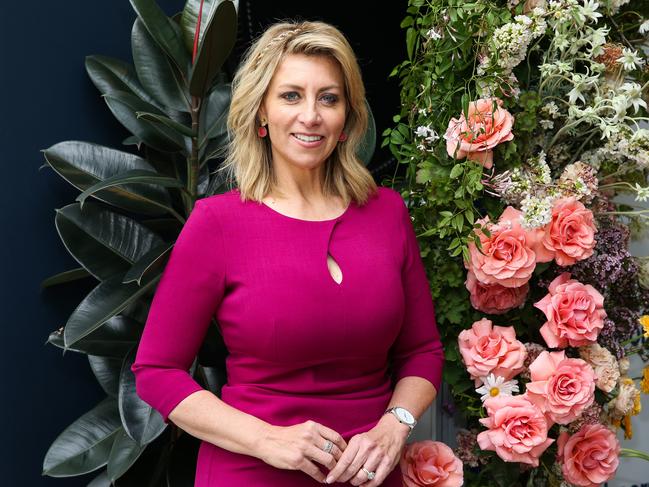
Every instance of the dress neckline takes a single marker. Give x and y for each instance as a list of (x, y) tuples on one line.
[(282, 215)]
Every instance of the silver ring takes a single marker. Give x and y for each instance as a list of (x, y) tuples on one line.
[(370, 475), (328, 447)]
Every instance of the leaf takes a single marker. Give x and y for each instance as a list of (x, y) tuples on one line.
[(214, 113), (157, 73), (368, 144), (218, 41), (84, 164), (100, 480), (172, 124), (456, 171), (142, 423), (65, 277), (106, 370), (85, 445), (112, 75), (113, 339), (411, 37), (189, 19), (154, 259), (123, 455), (102, 303), (125, 106), (133, 176), (105, 243), (163, 31)]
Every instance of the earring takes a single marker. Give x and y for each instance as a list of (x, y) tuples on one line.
[(262, 131), (343, 137)]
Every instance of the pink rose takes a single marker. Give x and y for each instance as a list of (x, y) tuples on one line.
[(430, 463), (575, 313), (571, 233), (509, 255), (486, 349), (590, 456), (485, 129), (562, 387), (518, 430), (494, 299)]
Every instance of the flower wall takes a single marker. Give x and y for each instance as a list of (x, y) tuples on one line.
[(521, 124)]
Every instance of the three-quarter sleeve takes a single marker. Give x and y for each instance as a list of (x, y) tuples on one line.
[(417, 350), (187, 296)]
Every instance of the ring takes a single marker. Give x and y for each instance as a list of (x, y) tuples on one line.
[(370, 475), (328, 446)]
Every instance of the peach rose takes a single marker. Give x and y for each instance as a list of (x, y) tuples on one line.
[(571, 232), (494, 299), (518, 429), (562, 387), (589, 457), (476, 137), (489, 349), (575, 313), (509, 255), (430, 463)]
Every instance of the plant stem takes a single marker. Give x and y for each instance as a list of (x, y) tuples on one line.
[(629, 452), (192, 161)]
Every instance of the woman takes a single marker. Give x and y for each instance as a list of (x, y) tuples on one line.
[(315, 280)]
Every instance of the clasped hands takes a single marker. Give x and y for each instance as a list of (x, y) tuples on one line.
[(301, 446)]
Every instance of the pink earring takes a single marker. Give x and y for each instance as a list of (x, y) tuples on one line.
[(343, 137), (262, 131)]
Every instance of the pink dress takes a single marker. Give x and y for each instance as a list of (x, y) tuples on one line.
[(301, 346)]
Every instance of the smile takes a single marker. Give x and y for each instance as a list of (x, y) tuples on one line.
[(308, 138)]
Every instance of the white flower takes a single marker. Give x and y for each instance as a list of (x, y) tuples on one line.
[(588, 11), (546, 124), (433, 34), (422, 131), (494, 386), (629, 59), (634, 93), (642, 193), (644, 27)]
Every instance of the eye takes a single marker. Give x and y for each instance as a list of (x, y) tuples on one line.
[(329, 98), (290, 96)]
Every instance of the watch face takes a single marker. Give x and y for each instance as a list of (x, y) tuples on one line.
[(404, 415)]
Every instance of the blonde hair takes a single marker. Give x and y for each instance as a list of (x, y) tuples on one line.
[(248, 160)]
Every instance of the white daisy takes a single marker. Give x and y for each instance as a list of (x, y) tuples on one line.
[(495, 385)]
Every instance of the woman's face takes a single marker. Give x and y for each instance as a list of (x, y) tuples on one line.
[(305, 108)]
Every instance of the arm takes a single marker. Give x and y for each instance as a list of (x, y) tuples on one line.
[(417, 353), (189, 293)]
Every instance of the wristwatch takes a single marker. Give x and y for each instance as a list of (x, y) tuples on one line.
[(403, 415)]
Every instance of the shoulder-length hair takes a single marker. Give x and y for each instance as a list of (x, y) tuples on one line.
[(248, 158)]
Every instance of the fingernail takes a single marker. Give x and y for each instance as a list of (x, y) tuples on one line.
[(329, 480)]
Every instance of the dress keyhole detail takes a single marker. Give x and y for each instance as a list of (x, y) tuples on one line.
[(334, 269)]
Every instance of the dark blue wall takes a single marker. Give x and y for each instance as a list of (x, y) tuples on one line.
[(48, 98)]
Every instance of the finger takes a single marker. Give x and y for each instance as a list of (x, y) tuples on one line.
[(320, 456), (372, 463), (335, 451), (343, 462), (332, 435), (382, 472), (311, 469), (355, 465)]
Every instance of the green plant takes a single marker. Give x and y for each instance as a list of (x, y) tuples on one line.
[(174, 101)]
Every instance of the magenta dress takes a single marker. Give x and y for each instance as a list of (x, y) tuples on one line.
[(301, 346)]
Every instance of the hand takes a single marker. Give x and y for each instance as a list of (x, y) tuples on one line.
[(378, 450), (297, 447)]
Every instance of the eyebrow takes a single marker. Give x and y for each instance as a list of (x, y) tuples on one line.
[(296, 87)]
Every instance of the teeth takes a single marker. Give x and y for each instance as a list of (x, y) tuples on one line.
[(308, 138)]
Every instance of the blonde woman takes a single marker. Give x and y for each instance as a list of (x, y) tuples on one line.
[(314, 277)]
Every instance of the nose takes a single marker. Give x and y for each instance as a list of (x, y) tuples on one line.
[(310, 115)]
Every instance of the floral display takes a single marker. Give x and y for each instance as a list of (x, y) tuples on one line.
[(432, 464), (525, 134)]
